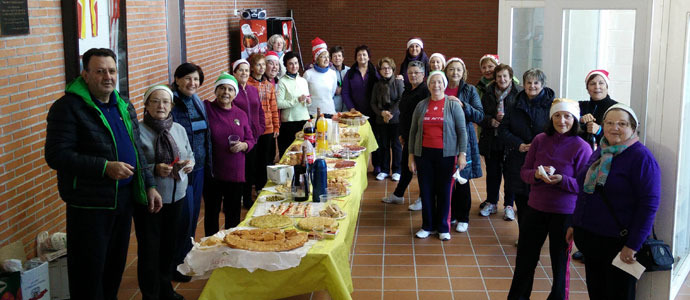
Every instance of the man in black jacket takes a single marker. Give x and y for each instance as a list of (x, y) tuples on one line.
[(93, 142)]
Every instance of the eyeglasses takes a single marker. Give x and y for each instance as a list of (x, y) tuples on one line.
[(621, 124), (385, 68)]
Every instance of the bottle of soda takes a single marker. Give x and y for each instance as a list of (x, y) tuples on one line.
[(309, 132)]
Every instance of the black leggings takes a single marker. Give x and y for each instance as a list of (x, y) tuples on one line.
[(287, 134), (228, 194)]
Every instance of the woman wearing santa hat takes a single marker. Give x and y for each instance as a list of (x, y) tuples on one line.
[(553, 161), (276, 43), (487, 64), (322, 80), (273, 64), (437, 62), (414, 51), (248, 100)]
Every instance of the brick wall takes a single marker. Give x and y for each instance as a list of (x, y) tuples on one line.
[(32, 76), (209, 27), (463, 28)]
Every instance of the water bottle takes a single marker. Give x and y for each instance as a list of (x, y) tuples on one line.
[(319, 178)]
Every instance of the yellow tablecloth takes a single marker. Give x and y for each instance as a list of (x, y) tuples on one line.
[(326, 265)]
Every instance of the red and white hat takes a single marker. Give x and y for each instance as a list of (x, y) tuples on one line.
[(603, 73), (441, 57), (272, 55), (492, 57), (318, 46), (454, 59), (238, 62), (415, 40)]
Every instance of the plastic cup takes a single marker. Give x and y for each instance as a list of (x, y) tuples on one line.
[(233, 139), (325, 198)]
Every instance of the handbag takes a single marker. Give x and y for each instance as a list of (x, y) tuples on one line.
[(654, 255)]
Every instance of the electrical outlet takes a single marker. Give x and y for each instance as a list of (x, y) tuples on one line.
[(236, 12)]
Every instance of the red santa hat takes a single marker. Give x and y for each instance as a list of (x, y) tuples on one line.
[(603, 73), (492, 57), (272, 55), (415, 40), (318, 46)]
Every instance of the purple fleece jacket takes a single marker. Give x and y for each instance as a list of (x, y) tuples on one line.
[(568, 154), (356, 91), (228, 166), (248, 101), (633, 188)]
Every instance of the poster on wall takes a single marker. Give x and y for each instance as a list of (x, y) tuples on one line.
[(95, 24), (254, 37)]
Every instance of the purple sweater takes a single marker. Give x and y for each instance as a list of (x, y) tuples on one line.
[(568, 154), (633, 188), (228, 166), (356, 91), (248, 101)]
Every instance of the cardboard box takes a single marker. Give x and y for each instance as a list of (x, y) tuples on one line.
[(59, 282), (36, 282)]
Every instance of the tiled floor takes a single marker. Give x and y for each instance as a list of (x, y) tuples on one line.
[(389, 263)]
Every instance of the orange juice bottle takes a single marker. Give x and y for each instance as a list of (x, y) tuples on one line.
[(321, 130)]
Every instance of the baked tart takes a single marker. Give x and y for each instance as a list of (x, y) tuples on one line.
[(271, 221), (266, 240)]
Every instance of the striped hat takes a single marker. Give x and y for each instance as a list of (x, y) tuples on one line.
[(226, 78), (318, 46), (603, 73)]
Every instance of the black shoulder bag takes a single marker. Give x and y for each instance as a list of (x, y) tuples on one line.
[(654, 255)]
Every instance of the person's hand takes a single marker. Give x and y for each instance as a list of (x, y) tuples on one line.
[(587, 118), (411, 165), (462, 161), (399, 77), (163, 170), (453, 98), (154, 199), (592, 127), (538, 175), (338, 90), (627, 255), (495, 123), (187, 165), (402, 141), (524, 147), (276, 134), (387, 116), (569, 235), (555, 178), (117, 170), (239, 147), (302, 99), (499, 116), (308, 99)]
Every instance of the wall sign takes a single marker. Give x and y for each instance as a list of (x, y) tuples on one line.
[(14, 17)]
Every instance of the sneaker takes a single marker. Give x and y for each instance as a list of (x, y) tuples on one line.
[(381, 176), (417, 205), (508, 213), (392, 198), (422, 234), (395, 176), (488, 209), (462, 227), (578, 255), (444, 236), (484, 203)]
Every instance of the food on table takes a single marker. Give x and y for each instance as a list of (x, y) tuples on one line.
[(343, 164), (332, 211), (291, 158), (299, 135), (354, 147), (212, 241), (282, 188), (295, 148), (341, 173), (271, 221), (317, 223), (353, 113), (266, 240), (349, 135), (273, 198), (339, 185), (291, 209), (352, 117), (314, 235)]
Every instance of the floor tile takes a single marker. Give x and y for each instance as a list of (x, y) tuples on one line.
[(398, 283)]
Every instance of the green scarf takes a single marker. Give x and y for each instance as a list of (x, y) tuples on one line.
[(598, 172)]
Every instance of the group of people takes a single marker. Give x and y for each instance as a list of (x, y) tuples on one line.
[(575, 171)]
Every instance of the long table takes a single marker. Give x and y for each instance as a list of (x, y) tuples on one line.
[(325, 267)]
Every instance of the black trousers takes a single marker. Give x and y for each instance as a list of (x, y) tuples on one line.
[(405, 174), (250, 171), (387, 138), (287, 134), (521, 203), (604, 281), (495, 167), (534, 228), (461, 202), (435, 184), (97, 243), (229, 194), (265, 152), (156, 237)]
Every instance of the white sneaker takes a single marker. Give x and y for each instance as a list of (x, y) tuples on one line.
[(392, 198), (381, 176), (395, 176), (444, 236), (488, 209), (508, 213), (417, 205), (422, 234), (462, 227)]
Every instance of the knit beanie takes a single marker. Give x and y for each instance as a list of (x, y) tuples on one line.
[(564, 104), (415, 40), (441, 57), (237, 63), (603, 73), (272, 55), (156, 88), (226, 78), (492, 57), (625, 108), (443, 75), (454, 59), (318, 46)]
